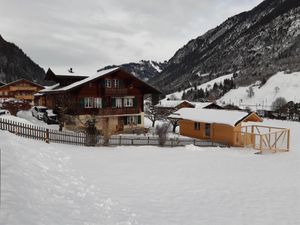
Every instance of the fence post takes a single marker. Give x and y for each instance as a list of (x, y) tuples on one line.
[(195, 142), (148, 141), (120, 140), (47, 135)]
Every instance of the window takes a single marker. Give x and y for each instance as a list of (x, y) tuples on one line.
[(132, 120), (128, 102), (196, 126), (116, 83), (88, 102), (207, 129), (107, 83), (98, 103), (118, 102)]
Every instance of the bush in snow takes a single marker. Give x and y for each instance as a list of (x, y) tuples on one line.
[(162, 131), (278, 105)]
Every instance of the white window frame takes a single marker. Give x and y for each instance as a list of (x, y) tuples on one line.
[(98, 103), (88, 102), (116, 83), (107, 83), (128, 102), (119, 102)]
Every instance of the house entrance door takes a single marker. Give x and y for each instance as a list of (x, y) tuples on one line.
[(120, 126)]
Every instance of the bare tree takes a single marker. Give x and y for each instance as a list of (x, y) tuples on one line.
[(162, 131), (250, 92), (278, 105), (174, 123), (65, 104), (152, 113)]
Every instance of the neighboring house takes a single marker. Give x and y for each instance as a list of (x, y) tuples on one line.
[(167, 107), (211, 124), (114, 97), (21, 89), (1, 84), (206, 105)]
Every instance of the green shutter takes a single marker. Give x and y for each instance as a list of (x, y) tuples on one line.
[(121, 83), (135, 102), (81, 102), (139, 119), (113, 102)]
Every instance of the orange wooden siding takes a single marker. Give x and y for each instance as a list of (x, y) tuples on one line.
[(218, 132)]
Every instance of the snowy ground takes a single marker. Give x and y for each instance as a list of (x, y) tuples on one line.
[(62, 184)]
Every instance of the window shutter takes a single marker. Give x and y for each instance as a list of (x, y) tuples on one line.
[(113, 102), (139, 119), (81, 102), (135, 102), (121, 83)]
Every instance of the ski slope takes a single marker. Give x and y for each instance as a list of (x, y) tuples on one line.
[(289, 88), (54, 184), (206, 86)]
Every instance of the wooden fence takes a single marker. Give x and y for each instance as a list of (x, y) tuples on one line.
[(264, 138), (49, 135)]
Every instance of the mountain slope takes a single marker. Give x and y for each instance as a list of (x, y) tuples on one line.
[(258, 43), (144, 70), (280, 85), (15, 64)]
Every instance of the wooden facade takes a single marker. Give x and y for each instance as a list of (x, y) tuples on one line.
[(214, 131), (21, 89), (116, 95)]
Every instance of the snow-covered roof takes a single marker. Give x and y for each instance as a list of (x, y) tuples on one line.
[(78, 83), (170, 103), (227, 117), (66, 72), (48, 88), (201, 105)]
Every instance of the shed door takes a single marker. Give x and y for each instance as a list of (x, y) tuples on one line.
[(207, 129)]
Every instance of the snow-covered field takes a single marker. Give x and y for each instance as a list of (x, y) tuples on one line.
[(60, 184), (279, 85)]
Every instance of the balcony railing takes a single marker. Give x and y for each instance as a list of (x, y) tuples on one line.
[(23, 88), (115, 91), (118, 111), (25, 97)]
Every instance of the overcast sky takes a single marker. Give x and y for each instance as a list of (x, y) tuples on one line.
[(89, 34)]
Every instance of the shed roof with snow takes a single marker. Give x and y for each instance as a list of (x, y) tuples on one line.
[(228, 117)]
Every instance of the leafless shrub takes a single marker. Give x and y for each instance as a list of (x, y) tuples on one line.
[(162, 131)]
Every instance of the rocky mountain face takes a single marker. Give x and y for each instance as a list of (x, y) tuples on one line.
[(254, 44), (15, 64), (144, 70)]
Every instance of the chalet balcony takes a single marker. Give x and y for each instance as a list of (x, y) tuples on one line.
[(118, 111), (115, 91), (23, 88), (25, 97)]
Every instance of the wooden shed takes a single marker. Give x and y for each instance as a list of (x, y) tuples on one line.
[(211, 124)]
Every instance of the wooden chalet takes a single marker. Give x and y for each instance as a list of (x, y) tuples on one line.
[(21, 89), (1, 84), (114, 97)]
